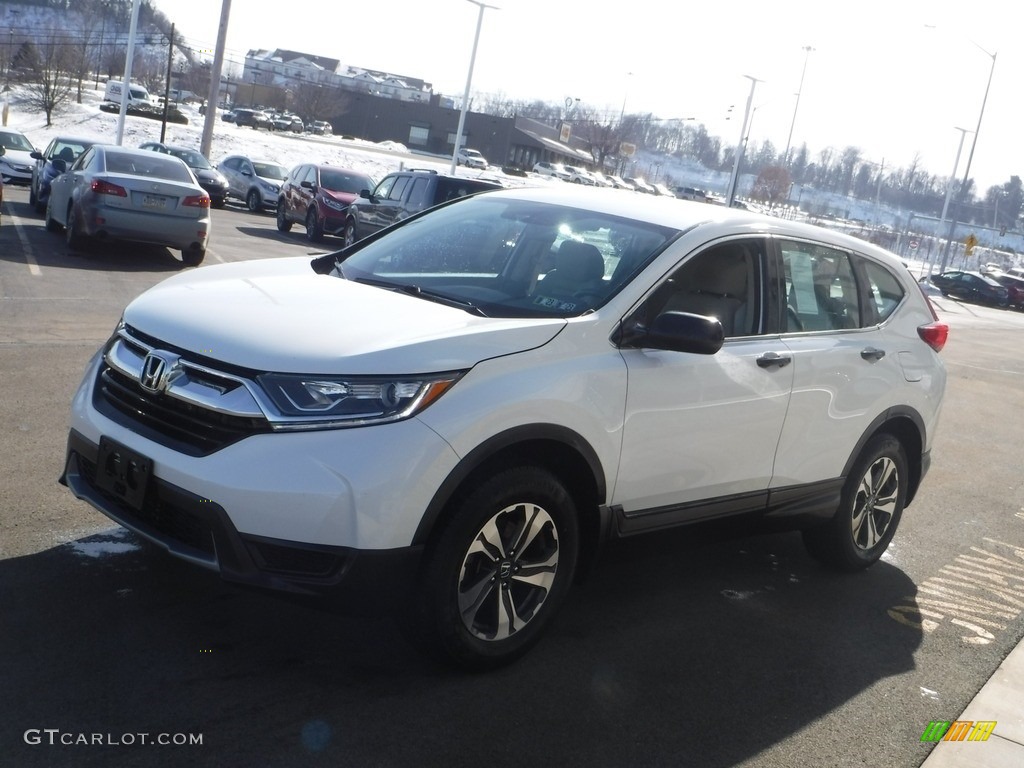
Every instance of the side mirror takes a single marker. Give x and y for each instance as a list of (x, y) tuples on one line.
[(36, 154), (679, 332), (365, 193), (59, 165)]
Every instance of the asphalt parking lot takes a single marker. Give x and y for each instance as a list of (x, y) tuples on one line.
[(701, 647)]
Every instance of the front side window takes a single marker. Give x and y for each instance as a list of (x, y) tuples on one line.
[(510, 258), (382, 190), (821, 292), (724, 281)]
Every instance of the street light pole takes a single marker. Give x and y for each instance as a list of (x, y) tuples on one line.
[(808, 50), (970, 157), (731, 195), (469, 80)]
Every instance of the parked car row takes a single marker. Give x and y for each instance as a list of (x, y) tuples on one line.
[(275, 121), (997, 289)]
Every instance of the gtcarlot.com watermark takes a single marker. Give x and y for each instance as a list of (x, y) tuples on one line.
[(56, 737)]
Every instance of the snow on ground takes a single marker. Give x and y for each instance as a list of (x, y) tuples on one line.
[(285, 149)]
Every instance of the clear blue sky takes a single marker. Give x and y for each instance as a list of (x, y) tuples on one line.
[(893, 78)]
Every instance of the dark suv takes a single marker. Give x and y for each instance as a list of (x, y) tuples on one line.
[(318, 196), (400, 195)]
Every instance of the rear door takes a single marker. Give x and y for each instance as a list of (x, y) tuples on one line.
[(846, 366)]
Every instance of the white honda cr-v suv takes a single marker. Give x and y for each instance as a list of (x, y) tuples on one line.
[(460, 409)]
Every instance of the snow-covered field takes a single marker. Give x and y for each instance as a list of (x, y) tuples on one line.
[(86, 119)]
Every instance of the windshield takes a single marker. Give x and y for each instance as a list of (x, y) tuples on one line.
[(339, 181), (192, 158), (270, 171), (10, 140), (510, 258)]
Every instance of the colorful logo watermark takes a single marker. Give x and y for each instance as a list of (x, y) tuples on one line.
[(958, 730)]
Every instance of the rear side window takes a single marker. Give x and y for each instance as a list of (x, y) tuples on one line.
[(884, 291), (418, 195), (821, 292)]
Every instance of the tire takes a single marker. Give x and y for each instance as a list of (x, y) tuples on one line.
[(350, 233), (52, 225), (479, 604), (74, 239), (193, 257), (283, 225), (314, 229), (869, 511), (253, 201)]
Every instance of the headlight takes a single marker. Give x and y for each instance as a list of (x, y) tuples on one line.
[(323, 402), (270, 187), (334, 204)]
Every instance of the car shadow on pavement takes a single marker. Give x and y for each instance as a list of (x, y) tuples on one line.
[(679, 650)]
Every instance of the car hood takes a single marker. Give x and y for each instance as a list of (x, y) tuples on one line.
[(342, 197), (278, 315), (206, 174), (18, 157)]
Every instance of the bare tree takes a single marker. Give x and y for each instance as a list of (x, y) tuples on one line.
[(318, 102), (51, 85)]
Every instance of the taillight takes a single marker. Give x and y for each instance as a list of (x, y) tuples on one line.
[(103, 187), (936, 333), (197, 201)]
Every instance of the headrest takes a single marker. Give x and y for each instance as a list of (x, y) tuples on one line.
[(579, 261)]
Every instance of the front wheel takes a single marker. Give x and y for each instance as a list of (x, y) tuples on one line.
[(350, 233), (497, 572), (869, 511), (283, 225), (253, 201)]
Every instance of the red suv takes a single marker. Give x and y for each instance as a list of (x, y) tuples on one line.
[(318, 197)]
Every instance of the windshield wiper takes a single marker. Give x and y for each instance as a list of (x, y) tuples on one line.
[(440, 298)]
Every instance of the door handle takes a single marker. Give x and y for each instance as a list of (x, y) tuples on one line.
[(773, 359), (872, 353)]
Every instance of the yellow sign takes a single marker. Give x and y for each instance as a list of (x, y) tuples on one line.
[(969, 244)]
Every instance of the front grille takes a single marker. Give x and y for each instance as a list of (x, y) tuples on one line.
[(161, 512), (179, 425)]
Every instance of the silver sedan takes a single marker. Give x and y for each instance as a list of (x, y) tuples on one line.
[(117, 193)]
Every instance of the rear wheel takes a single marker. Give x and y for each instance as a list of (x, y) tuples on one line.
[(869, 511), (314, 229), (253, 201), (283, 225), (193, 257), (52, 225), (72, 235), (497, 572)]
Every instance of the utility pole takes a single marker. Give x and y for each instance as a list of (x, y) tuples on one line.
[(213, 99), (167, 85)]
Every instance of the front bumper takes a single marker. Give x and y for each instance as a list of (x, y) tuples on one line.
[(199, 530)]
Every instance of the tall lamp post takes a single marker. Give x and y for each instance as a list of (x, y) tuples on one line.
[(808, 50), (949, 185), (731, 195), (469, 80), (970, 157)]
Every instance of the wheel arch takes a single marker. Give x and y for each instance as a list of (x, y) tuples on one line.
[(907, 426), (559, 450)]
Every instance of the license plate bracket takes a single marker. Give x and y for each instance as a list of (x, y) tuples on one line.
[(123, 472)]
